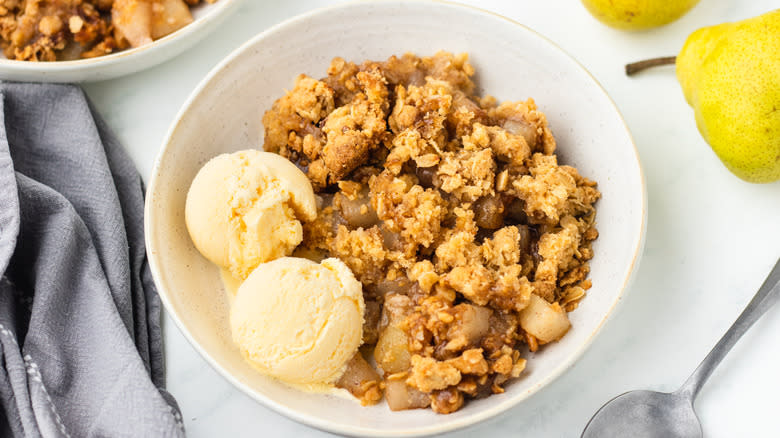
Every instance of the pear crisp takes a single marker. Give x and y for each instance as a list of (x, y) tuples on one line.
[(57, 30), (470, 239)]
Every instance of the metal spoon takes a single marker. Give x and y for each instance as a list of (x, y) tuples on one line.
[(641, 414)]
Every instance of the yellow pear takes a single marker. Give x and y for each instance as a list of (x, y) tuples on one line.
[(638, 14), (730, 75)]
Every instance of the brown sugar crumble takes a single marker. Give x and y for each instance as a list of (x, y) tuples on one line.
[(471, 241)]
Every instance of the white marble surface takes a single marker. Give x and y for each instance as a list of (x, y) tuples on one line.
[(711, 238)]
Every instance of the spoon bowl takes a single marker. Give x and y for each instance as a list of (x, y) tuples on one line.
[(645, 414)]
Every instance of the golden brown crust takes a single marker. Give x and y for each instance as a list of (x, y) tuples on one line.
[(450, 204)]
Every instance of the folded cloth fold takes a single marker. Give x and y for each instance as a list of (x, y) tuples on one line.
[(80, 341)]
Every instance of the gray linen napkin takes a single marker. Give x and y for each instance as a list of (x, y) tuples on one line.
[(80, 341)]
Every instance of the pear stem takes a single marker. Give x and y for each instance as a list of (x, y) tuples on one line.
[(636, 67)]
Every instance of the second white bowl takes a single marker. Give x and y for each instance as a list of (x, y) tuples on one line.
[(207, 16)]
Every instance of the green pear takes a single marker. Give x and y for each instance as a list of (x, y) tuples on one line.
[(638, 14), (730, 75)]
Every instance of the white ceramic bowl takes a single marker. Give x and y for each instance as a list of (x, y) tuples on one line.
[(207, 17), (512, 62)]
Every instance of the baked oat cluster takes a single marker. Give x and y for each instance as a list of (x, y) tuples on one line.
[(470, 240)]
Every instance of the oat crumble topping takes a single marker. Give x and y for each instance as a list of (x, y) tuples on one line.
[(470, 239)]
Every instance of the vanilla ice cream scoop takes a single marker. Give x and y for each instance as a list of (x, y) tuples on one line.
[(245, 208), (299, 321)]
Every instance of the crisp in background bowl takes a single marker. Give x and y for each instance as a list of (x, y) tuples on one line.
[(512, 62), (207, 16)]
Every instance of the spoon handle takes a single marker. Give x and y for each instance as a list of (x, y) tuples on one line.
[(766, 296)]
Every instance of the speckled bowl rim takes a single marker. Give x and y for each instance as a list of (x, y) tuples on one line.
[(485, 414)]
